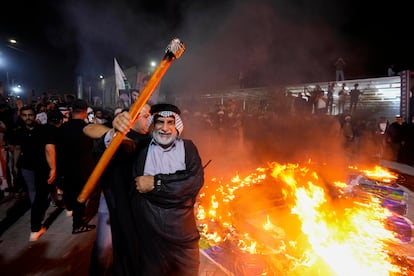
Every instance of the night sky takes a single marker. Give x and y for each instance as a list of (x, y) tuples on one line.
[(273, 42)]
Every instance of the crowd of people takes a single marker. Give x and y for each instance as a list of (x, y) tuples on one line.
[(48, 157), (148, 191), (149, 188), (317, 100), (306, 126)]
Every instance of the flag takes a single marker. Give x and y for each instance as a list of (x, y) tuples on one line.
[(120, 78), (142, 79)]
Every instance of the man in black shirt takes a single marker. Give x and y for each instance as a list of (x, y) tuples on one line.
[(35, 155), (75, 163)]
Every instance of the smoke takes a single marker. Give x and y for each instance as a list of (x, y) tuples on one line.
[(268, 42), (258, 40)]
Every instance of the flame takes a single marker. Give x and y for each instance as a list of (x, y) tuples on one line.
[(379, 173), (310, 233)]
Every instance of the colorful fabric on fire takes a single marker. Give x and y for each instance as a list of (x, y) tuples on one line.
[(178, 122)]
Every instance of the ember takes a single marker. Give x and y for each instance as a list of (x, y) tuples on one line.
[(287, 220)]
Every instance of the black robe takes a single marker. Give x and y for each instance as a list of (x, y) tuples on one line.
[(154, 233), (165, 221)]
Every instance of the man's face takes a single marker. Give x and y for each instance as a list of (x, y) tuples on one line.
[(134, 96), (28, 116), (164, 131), (141, 123), (98, 114)]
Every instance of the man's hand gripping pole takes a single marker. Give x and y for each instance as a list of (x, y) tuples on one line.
[(174, 51)]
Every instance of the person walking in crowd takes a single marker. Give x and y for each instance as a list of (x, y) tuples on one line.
[(342, 99), (394, 138), (134, 95), (75, 163), (99, 117), (406, 154), (348, 132), (339, 69), (381, 127), (41, 116), (5, 156), (35, 155), (109, 235), (164, 179), (54, 122), (330, 97), (354, 97), (321, 101), (300, 104)]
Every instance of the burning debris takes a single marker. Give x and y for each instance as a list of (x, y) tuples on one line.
[(287, 220)]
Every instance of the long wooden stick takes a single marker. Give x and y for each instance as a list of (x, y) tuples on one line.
[(173, 52)]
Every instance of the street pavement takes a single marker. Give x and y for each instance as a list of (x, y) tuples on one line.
[(58, 251)]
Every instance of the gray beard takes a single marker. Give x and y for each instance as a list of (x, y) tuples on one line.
[(165, 143)]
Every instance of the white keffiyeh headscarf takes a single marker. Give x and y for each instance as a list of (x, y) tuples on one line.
[(178, 122)]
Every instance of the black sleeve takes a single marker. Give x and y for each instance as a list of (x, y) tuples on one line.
[(179, 187)]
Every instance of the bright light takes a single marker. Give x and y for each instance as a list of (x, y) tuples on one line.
[(17, 89), (153, 63), (101, 76), (13, 41)]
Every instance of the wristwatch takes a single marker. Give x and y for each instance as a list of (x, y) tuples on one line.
[(157, 183)]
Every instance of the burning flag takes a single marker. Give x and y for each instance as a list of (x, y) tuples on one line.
[(288, 220)]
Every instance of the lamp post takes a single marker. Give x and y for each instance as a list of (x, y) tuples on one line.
[(5, 63), (103, 89)]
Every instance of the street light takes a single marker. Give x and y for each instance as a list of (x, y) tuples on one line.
[(103, 89), (17, 89), (152, 64)]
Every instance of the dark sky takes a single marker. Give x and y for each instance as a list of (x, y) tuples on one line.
[(275, 42)]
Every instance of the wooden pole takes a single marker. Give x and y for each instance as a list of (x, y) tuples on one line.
[(173, 52)]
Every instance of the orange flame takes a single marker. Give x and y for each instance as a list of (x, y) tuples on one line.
[(317, 235)]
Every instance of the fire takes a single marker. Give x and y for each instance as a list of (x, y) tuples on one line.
[(299, 228), (379, 174), (352, 245)]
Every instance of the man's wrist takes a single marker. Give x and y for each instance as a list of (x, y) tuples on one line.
[(157, 183), (132, 134)]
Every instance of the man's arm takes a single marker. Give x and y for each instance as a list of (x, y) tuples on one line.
[(16, 149), (176, 188), (121, 123), (95, 131), (50, 150), (104, 135)]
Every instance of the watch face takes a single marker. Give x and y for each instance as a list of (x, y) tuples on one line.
[(158, 185)]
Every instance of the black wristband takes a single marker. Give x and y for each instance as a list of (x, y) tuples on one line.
[(132, 134)]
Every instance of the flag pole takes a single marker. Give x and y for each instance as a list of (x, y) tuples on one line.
[(174, 51)]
